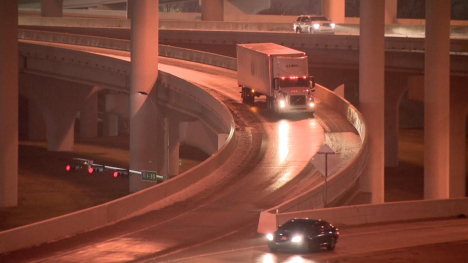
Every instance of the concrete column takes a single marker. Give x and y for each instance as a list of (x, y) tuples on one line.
[(144, 73), (89, 117), (371, 93), (391, 11), (59, 102), (395, 86), (212, 10), (9, 103), (196, 134), (334, 10), (437, 157), (129, 9), (458, 114), (52, 8), (111, 124), (174, 145), (36, 124)]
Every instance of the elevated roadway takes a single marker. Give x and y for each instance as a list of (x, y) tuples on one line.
[(272, 163), (186, 242)]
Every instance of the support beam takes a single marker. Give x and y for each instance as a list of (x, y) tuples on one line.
[(334, 10), (144, 73), (174, 145), (9, 103), (396, 84), (371, 93), (212, 10), (391, 12), (89, 117), (437, 157), (36, 124), (458, 114), (52, 8), (59, 102)]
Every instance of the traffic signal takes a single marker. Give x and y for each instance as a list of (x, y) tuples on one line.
[(118, 173), (96, 169), (73, 167)]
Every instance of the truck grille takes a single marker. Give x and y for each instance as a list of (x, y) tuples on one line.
[(297, 100)]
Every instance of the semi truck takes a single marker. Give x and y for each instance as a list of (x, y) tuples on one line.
[(277, 72)]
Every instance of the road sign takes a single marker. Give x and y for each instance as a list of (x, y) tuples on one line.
[(149, 176)]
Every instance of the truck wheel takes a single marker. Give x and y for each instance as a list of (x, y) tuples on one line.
[(247, 96), (298, 30), (311, 31)]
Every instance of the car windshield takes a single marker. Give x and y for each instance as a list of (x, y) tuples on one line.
[(319, 18), (296, 82), (295, 225)]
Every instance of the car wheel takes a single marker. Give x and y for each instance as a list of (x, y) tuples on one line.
[(332, 244), (311, 31), (298, 30)]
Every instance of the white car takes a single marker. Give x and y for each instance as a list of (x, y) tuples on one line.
[(313, 24)]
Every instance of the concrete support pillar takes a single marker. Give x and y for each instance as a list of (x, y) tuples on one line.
[(59, 101), (89, 117), (144, 73), (174, 145), (9, 103), (36, 124), (395, 86), (391, 11), (111, 124), (194, 133), (52, 8), (371, 93), (334, 10), (458, 114), (212, 10), (437, 157), (129, 9)]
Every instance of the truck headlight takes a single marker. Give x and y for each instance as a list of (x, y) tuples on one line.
[(282, 104), (311, 104), (269, 237), (332, 25), (316, 26)]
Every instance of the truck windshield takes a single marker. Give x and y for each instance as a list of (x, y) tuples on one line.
[(296, 82)]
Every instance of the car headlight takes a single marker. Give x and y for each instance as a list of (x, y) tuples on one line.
[(296, 239), (311, 104), (332, 25), (282, 104), (316, 26), (269, 237)]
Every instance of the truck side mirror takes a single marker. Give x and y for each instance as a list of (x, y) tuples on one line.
[(275, 84), (312, 79)]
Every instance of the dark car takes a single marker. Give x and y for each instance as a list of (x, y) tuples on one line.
[(303, 235)]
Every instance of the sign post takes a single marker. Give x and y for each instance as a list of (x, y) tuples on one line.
[(325, 149)]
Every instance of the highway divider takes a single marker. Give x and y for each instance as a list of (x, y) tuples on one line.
[(384, 213)]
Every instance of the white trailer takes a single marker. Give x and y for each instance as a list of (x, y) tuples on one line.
[(278, 72)]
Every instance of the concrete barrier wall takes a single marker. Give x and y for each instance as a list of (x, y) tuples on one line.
[(87, 219), (381, 213), (116, 45)]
